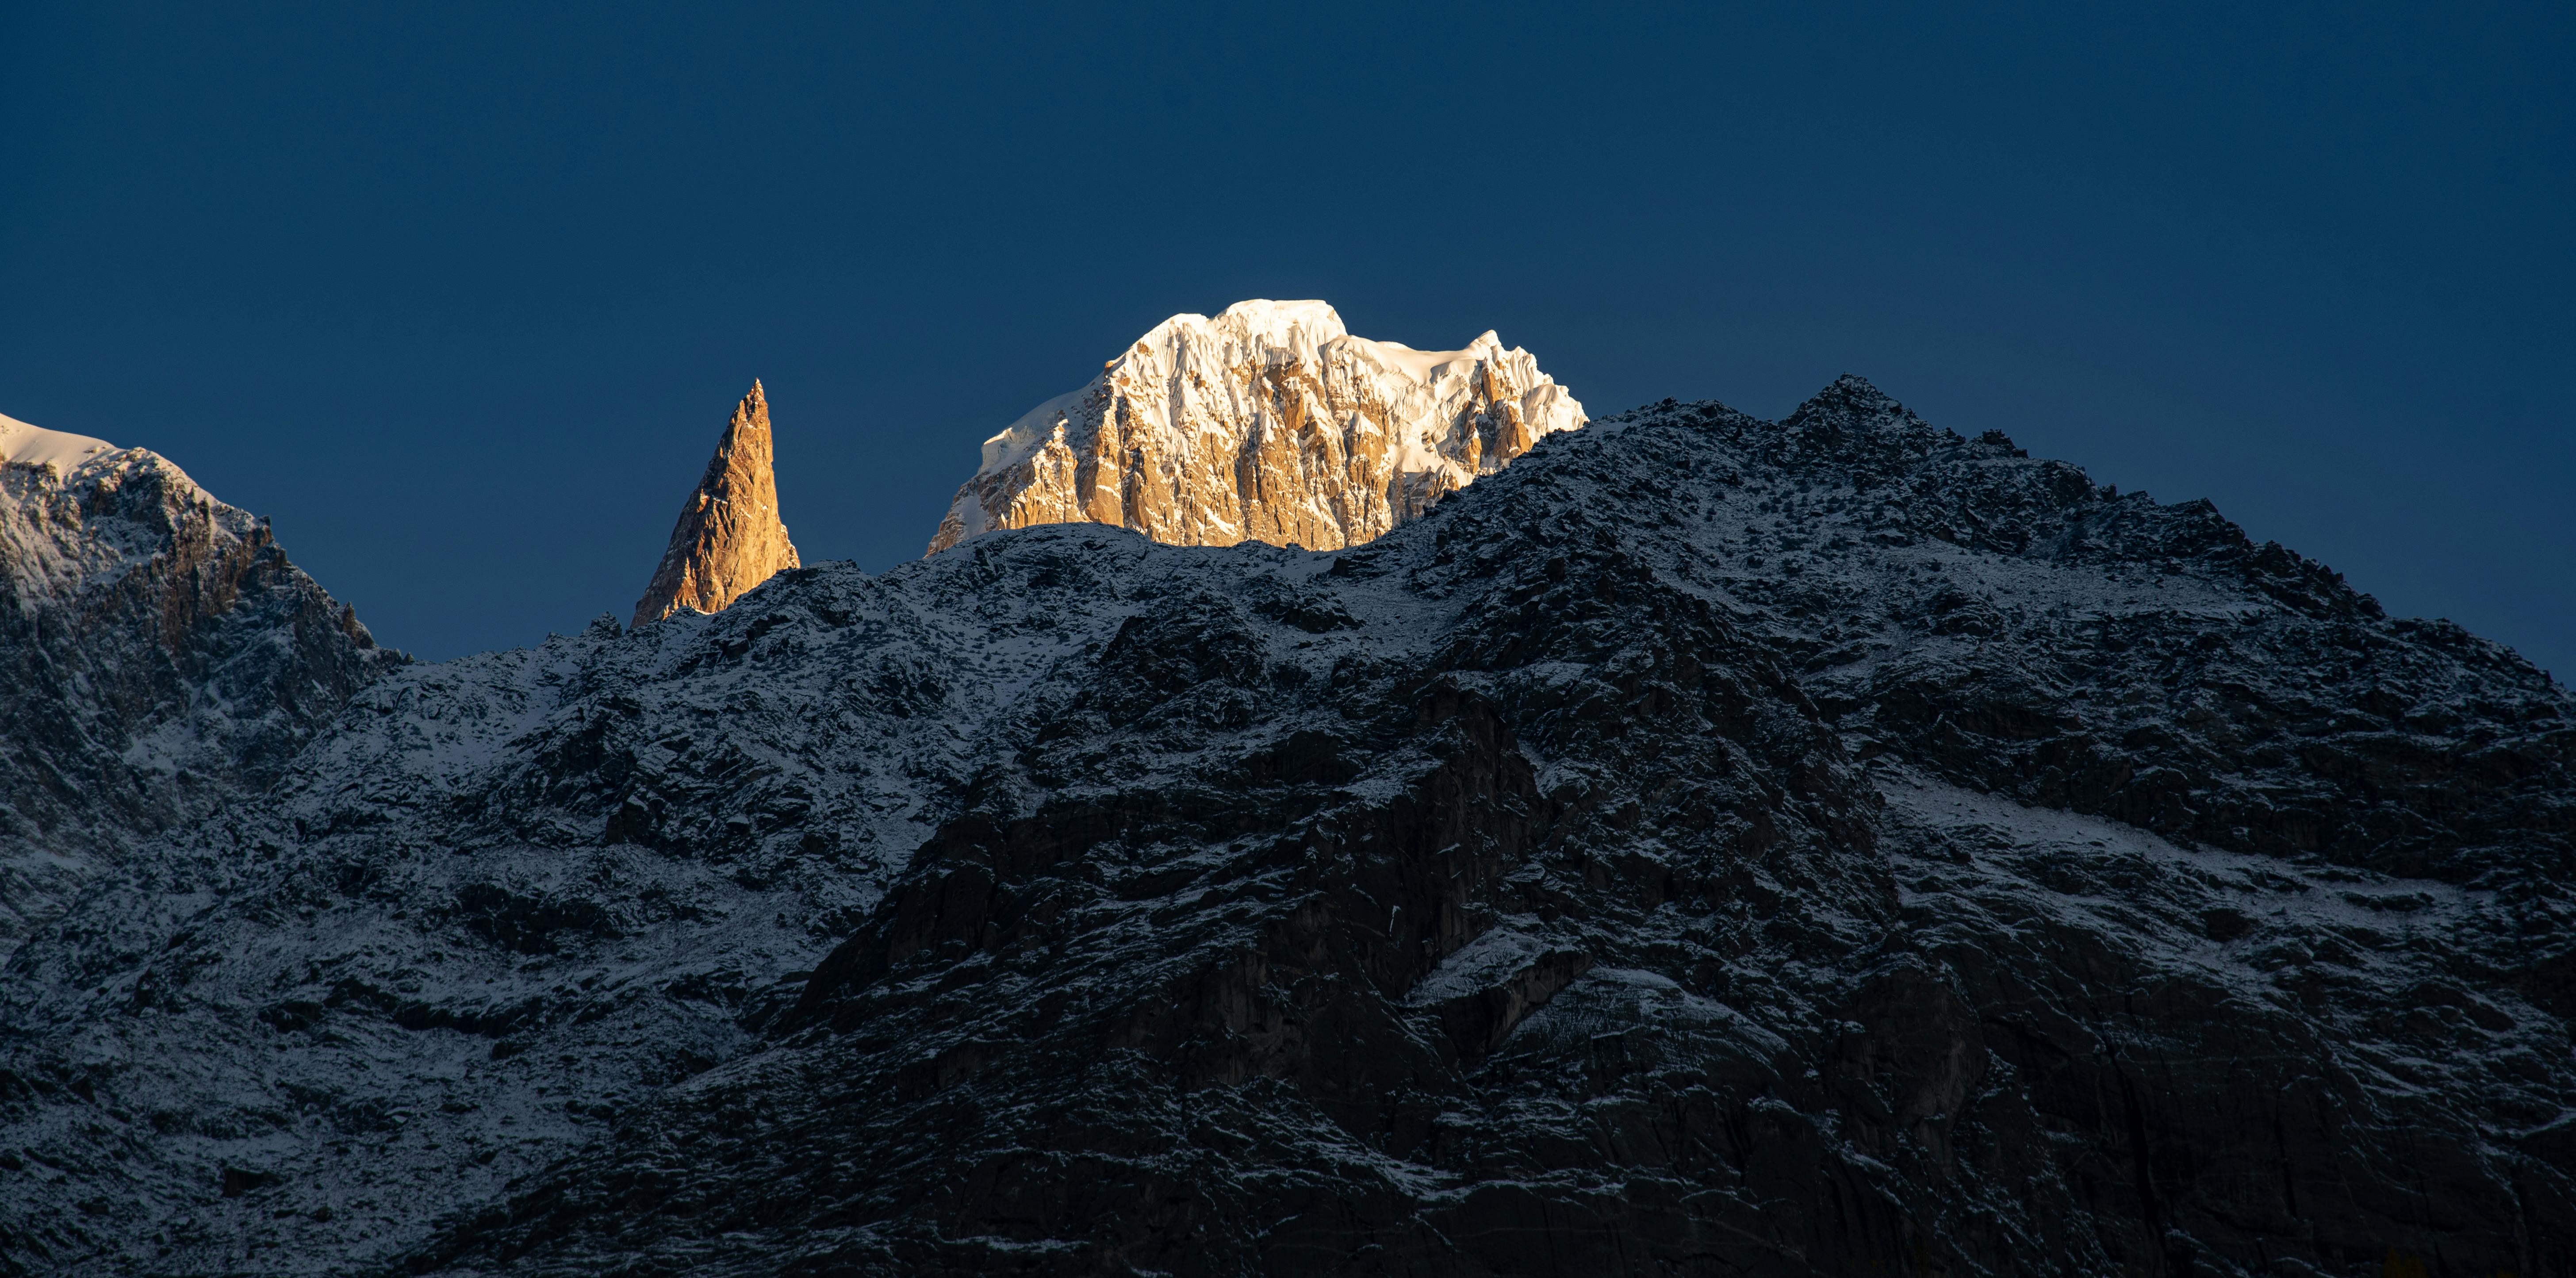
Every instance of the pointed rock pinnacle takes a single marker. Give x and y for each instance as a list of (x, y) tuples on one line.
[(729, 538)]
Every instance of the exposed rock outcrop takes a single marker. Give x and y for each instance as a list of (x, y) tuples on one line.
[(1268, 423), (728, 538), (158, 655)]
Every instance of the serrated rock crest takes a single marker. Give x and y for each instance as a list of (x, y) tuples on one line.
[(729, 537)]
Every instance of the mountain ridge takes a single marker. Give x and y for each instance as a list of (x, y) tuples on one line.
[(1802, 847)]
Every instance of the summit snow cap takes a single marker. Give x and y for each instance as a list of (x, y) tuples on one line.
[(25, 445), (728, 538), (1268, 423)]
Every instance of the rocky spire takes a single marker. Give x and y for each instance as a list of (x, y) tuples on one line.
[(729, 538)]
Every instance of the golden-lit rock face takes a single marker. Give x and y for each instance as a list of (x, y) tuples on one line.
[(1268, 423), (729, 538)]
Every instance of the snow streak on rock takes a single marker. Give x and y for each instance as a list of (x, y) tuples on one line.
[(729, 537), (1268, 423)]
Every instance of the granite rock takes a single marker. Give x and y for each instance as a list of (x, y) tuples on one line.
[(728, 538)]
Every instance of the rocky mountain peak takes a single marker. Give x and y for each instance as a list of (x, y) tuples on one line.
[(158, 653), (1270, 422), (728, 538), (1856, 391)]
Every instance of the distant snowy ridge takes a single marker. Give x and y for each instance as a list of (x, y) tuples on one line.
[(1269, 423)]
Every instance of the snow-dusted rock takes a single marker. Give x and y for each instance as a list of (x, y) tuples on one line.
[(1711, 845), (157, 654), (728, 538), (1268, 423)]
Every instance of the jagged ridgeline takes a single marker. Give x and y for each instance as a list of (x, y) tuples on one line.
[(1268, 423), (1709, 845)]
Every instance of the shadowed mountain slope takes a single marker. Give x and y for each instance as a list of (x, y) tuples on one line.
[(158, 655), (1708, 846)]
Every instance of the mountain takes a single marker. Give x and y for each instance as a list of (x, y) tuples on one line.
[(728, 538), (160, 655), (1824, 846), (1268, 423)]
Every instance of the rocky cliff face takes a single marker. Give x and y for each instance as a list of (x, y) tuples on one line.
[(1827, 846), (1268, 423), (728, 538), (158, 655)]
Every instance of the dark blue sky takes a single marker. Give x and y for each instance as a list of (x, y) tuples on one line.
[(461, 296)]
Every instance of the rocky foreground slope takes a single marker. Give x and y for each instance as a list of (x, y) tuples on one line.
[(158, 656), (1831, 846), (1268, 423)]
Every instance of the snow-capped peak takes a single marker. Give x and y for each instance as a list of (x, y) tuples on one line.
[(1270, 422), (22, 444)]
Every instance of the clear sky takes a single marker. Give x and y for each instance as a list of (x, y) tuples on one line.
[(460, 295)]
